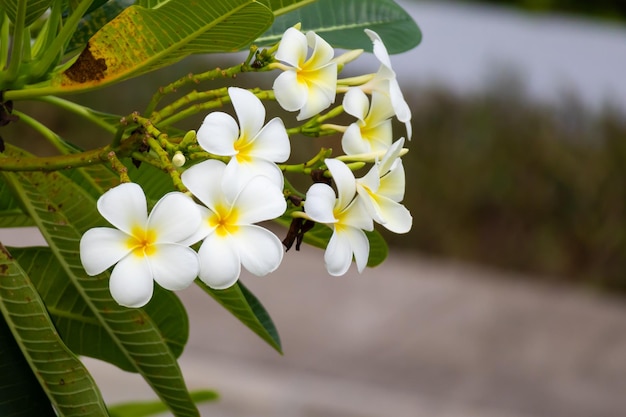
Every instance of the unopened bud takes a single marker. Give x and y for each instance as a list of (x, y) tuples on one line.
[(349, 56), (178, 160)]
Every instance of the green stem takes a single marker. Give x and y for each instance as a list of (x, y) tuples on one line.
[(57, 46), (54, 139), (187, 99), (55, 163), (4, 41), (82, 111), (18, 43), (166, 163)]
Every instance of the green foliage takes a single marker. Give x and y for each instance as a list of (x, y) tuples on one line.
[(150, 408)]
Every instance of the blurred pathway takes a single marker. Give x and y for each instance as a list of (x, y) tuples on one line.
[(411, 338)]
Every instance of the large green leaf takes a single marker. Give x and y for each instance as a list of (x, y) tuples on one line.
[(77, 324), (280, 7), (341, 23), (150, 408), (62, 210), (66, 381), (34, 9), (140, 40), (248, 309), (20, 392)]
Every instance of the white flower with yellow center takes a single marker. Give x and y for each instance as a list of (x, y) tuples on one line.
[(382, 189), (231, 239), (385, 82), (254, 149), (372, 132), (344, 215), (308, 85), (144, 248)]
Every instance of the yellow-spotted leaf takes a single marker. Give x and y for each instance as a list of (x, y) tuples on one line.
[(139, 39)]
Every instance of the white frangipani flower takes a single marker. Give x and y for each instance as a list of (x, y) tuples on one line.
[(372, 132), (254, 149), (308, 85), (142, 247), (382, 189), (385, 82), (231, 239), (344, 215)]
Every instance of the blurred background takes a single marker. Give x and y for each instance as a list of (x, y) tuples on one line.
[(507, 297)]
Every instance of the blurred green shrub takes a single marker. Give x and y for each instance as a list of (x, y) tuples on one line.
[(497, 179)]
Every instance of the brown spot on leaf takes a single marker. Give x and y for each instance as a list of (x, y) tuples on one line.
[(87, 67)]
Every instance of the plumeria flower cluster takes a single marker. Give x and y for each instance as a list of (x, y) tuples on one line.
[(210, 231)]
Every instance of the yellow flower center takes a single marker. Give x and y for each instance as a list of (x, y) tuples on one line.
[(141, 243), (243, 146), (224, 220)]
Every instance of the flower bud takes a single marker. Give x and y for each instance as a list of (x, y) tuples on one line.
[(178, 160)]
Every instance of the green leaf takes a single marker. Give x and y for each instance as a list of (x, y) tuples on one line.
[(320, 235), (150, 408), (20, 392), (93, 21), (11, 214), (280, 7), (139, 40), (77, 324), (341, 23), (62, 211), (34, 9), (67, 382), (248, 309)]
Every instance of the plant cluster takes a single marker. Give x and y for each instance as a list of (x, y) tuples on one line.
[(190, 210)]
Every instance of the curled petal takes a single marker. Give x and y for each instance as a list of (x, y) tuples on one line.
[(356, 103), (322, 51), (353, 143), (391, 157), (250, 111), (392, 184), (174, 217), (204, 180), (292, 49), (131, 283), (396, 217), (174, 267), (344, 180), (290, 92), (260, 250), (102, 247), (219, 262), (320, 202), (380, 51), (259, 200), (218, 134), (124, 206), (338, 255)]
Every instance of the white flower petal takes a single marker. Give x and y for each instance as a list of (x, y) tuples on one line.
[(338, 255), (322, 51), (392, 184), (204, 180), (356, 103), (352, 141), (218, 134), (356, 215), (400, 106), (319, 203), (290, 92), (390, 158), (220, 265), (102, 247), (360, 247), (238, 174), (396, 217), (260, 250), (174, 267), (272, 142), (344, 180), (174, 217), (380, 51), (250, 112), (378, 137), (258, 201), (203, 230), (124, 206), (292, 49), (131, 283)]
